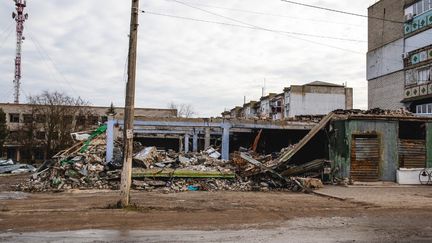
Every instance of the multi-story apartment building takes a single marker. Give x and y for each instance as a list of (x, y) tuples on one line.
[(19, 117), (399, 59), (316, 98)]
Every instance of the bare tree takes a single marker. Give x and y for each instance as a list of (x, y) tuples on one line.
[(54, 115), (183, 110), (3, 128)]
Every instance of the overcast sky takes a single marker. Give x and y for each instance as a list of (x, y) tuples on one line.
[(80, 47)]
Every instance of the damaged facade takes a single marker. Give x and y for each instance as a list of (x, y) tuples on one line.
[(316, 98), (19, 116), (399, 59)]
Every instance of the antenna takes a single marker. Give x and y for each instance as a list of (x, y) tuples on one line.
[(20, 18)]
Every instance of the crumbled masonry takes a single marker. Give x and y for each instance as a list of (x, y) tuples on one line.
[(83, 166)]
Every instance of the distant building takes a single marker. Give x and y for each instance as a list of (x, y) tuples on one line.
[(265, 108), (250, 110), (18, 116), (316, 98), (277, 107), (399, 59)]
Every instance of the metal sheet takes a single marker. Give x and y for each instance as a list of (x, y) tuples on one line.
[(412, 153), (365, 157)]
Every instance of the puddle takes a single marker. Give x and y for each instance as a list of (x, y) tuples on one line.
[(13, 195)]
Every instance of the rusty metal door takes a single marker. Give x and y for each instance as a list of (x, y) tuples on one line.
[(365, 158), (412, 153)]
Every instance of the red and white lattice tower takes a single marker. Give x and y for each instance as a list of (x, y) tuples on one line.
[(20, 18)]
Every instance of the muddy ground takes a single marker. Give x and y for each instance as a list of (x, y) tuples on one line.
[(377, 214)]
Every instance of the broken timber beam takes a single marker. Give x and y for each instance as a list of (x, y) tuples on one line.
[(289, 154), (181, 173), (256, 163)]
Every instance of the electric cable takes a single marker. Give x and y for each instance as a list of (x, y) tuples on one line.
[(341, 12)]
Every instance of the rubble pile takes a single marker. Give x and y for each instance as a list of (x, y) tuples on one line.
[(79, 167), (84, 166), (375, 112)]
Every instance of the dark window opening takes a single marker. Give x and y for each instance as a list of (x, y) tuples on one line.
[(14, 118), (28, 118), (412, 130)]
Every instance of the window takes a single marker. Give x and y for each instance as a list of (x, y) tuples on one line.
[(423, 75), (14, 118), (28, 118), (424, 109), (419, 8)]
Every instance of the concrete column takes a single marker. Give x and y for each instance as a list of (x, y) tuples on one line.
[(225, 141), (195, 142), (207, 138), (180, 144), (186, 143), (110, 139), (18, 154)]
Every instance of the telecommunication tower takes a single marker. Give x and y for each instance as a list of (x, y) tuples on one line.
[(20, 17)]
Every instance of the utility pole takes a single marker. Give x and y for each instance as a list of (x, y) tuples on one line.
[(20, 18), (129, 108)]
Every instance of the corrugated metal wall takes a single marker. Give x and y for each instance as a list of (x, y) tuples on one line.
[(412, 153), (365, 158)]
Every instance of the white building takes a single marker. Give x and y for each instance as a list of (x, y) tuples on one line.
[(316, 98)]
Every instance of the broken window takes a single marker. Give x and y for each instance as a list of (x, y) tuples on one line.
[(14, 118)]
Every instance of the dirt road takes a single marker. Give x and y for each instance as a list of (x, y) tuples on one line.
[(85, 216)]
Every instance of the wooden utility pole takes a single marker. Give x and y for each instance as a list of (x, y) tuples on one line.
[(129, 108)]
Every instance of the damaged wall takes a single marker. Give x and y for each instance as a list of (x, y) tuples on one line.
[(341, 140)]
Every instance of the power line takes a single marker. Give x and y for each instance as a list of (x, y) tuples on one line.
[(254, 28), (53, 64), (245, 23), (341, 12), (270, 14), (6, 38)]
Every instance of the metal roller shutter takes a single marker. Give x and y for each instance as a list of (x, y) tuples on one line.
[(412, 153), (365, 157)]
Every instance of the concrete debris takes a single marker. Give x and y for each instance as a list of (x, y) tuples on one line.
[(146, 156), (83, 166), (375, 112), (6, 162), (17, 169)]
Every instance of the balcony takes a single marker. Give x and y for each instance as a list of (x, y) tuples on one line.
[(417, 91)]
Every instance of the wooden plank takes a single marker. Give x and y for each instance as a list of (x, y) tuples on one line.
[(181, 173), (289, 154)]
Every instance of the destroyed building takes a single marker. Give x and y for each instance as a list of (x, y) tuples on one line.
[(19, 116), (315, 98), (399, 58)]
